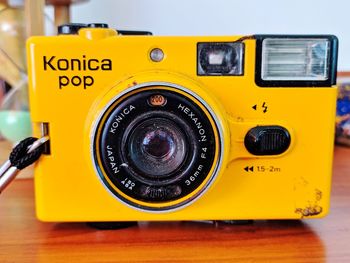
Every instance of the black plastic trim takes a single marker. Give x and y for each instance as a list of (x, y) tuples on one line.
[(73, 29), (332, 62), (134, 33)]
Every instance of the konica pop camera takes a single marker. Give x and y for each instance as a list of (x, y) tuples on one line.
[(182, 128)]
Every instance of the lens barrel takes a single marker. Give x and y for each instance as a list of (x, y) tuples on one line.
[(154, 153)]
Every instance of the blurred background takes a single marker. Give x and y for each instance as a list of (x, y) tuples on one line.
[(224, 17), (20, 19)]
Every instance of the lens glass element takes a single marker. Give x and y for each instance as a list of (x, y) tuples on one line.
[(158, 144), (156, 147)]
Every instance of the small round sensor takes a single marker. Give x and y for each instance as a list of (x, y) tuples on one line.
[(157, 55)]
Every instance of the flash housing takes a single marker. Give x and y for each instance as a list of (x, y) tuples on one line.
[(265, 77)]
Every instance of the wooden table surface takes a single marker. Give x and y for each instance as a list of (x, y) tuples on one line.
[(24, 239)]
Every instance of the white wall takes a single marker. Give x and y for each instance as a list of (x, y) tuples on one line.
[(225, 17)]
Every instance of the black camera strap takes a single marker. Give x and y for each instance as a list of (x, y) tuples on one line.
[(25, 153)]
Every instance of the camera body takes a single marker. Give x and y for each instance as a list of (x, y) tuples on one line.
[(180, 128)]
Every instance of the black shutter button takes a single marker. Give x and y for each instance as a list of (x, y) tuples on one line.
[(98, 25), (267, 140), (70, 29)]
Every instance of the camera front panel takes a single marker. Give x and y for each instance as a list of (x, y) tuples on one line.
[(291, 184)]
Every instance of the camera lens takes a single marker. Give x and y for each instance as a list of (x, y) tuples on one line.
[(150, 153), (156, 147)]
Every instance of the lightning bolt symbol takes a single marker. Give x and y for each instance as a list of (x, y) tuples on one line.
[(264, 107)]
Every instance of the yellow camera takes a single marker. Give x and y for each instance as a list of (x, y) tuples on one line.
[(182, 128)]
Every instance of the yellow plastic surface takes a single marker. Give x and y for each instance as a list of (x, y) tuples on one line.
[(295, 184)]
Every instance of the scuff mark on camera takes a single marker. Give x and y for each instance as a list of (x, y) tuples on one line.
[(311, 210), (134, 83)]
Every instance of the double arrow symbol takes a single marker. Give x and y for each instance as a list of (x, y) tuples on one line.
[(249, 168)]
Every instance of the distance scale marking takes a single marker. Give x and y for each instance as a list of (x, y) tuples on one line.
[(262, 169)]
